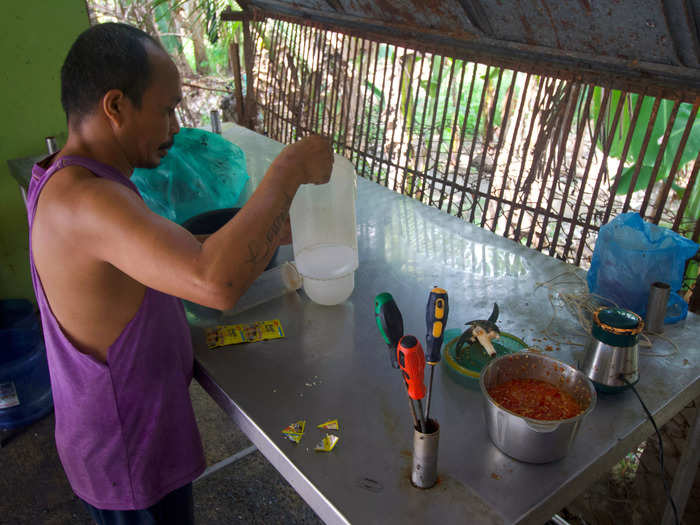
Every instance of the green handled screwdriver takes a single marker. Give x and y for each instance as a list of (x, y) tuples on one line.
[(435, 318), (390, 324)]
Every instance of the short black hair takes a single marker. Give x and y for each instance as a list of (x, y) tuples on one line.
[(106, 56)]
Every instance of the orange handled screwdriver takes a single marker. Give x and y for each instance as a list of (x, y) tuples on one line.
[(409, 354), (435, 319)]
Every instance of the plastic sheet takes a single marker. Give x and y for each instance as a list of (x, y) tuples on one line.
[(202, 171), (631, 254)]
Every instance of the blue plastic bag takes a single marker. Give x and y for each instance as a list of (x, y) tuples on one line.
[(202, 171), (631, 254)]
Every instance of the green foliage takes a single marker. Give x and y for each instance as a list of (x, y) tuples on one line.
[(632, 159), (660, 124)]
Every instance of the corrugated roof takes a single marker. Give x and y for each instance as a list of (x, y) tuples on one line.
[(627, 42)]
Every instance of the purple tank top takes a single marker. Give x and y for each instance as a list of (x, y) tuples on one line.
[(125, 430)]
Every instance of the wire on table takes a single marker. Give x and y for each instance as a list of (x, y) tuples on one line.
[(661, 450)]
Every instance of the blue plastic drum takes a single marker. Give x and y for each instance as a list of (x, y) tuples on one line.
[(25, 388)]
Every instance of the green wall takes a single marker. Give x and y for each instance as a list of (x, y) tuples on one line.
[(34, 40)]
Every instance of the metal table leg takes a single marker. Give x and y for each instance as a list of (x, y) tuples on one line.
[(687, 468)]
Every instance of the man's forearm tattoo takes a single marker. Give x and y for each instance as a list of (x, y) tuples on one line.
[(257, 250)]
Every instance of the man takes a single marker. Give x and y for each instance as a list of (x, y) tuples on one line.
[(107, 272)]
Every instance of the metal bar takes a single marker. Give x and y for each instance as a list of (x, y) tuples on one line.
[(390, 153), (431, 138), (343, 119), (226, 462), (641, 154), (659, 157), (291, 97), (311, 79), (270, 77), (559, 127), (339, 77), (422, 125), (623, 156), (686, 197), (371, 106), (301, 106), (455, 125), (503, 130), (601, 171), (388, 110), (413, 117), (661, 199), (356, 96), (279, 77), (461, 138), (387, 101), (549, 92), (526, 148), (286, 70), (364, 133), (476, 134), (562, 139), (584, 180), (326, 89), (583, 119), (516, 127), (318, 108), (487, 144), (686, 471), (316, 78), (272, 73), (442, 128)]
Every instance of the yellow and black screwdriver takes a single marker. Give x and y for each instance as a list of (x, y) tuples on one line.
[(435, 318)]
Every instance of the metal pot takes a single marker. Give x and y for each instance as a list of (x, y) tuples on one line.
[(526, 439)]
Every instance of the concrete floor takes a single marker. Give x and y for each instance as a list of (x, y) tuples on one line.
[(34, 489)]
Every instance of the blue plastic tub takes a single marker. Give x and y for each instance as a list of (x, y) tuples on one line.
[(25, 387)]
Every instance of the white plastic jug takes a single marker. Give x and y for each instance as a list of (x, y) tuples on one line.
[(324, 236)]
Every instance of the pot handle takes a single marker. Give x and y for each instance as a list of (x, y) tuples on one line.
[(543, 427)]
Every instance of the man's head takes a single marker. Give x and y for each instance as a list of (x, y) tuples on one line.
[(120, 77)]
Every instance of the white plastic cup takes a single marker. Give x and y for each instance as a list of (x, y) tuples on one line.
[(324, 235)]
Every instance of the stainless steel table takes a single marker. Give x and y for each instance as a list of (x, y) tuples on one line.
[(333, 364)]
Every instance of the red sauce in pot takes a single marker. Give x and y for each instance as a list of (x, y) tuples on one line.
[(535, 399)]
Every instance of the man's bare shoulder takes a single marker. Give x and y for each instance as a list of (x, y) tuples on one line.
[(77, 199)]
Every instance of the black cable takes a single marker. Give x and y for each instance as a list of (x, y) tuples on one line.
[(661, 450)]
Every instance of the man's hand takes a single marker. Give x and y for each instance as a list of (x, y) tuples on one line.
[(310, 159)]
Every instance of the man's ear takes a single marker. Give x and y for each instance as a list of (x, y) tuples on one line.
[(114, 106)]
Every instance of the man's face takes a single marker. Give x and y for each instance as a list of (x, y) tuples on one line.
[(149, 130)]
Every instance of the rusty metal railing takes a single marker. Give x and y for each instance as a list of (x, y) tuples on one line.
[(542, 160)]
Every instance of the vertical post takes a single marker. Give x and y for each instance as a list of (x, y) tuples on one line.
[(215, 121), (250, 106), (234, 57)]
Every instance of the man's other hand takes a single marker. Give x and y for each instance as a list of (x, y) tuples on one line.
[(310, 159)]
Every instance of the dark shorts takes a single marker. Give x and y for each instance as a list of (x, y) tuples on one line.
[(176, 508)]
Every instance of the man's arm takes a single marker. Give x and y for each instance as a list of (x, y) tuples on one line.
[(111, 223)]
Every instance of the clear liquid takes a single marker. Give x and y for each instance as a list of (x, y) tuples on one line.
[(326, 261)]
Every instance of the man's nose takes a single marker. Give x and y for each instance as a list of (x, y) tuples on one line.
[(174, 125)]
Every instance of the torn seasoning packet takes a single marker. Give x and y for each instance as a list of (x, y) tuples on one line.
[(330, 425), (234, 334), (295, 431), (327, 443)]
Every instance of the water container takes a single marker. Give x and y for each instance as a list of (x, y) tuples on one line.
[(25, 388), (324, 235)]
